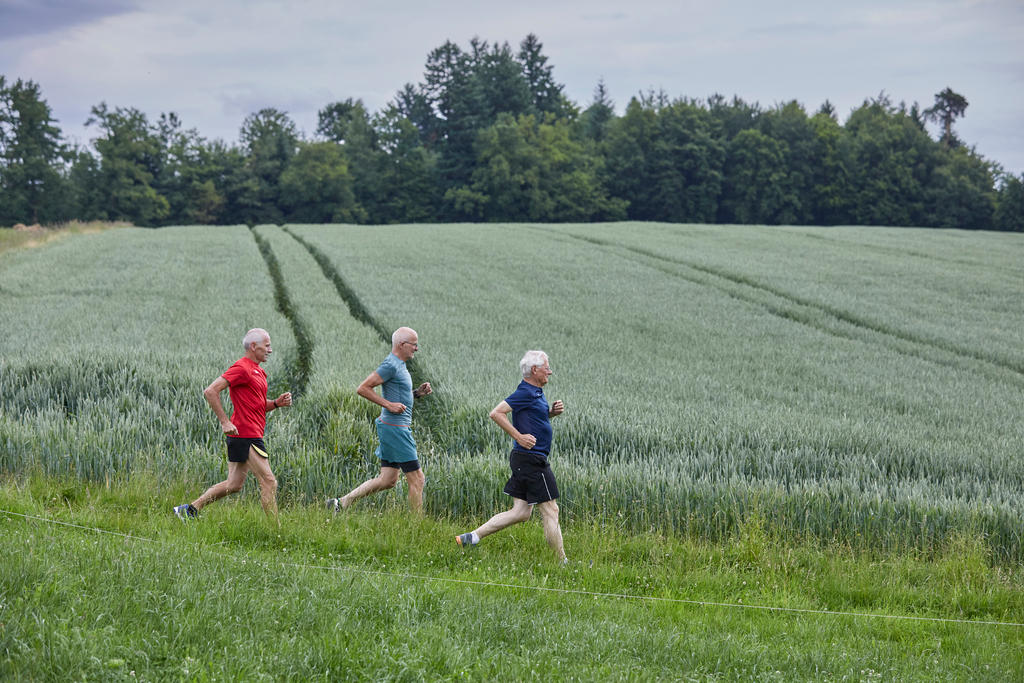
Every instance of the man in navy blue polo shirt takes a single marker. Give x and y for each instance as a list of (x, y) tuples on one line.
[(532, 482)]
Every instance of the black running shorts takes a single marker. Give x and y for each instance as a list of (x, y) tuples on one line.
[(532, 479), (405, 465), (238, 448)]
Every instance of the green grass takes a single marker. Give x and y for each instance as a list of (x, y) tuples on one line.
[(379, 594)]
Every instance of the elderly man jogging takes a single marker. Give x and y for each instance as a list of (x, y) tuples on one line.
[(397, 448), (247, 385), (532, 482)]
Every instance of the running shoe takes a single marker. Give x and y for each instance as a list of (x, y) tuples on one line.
[(465, 540), (185, 512), (333, 505)]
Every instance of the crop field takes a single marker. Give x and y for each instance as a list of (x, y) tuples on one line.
[(787, 454), (851, 385)]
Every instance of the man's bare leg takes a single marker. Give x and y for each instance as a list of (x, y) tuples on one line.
[(552, 530), (233, 484), (416, 481), (260, 467), (520, 512), (387, 478)]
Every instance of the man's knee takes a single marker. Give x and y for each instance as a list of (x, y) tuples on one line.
[(549, 509), (388, 478), (233, 486)]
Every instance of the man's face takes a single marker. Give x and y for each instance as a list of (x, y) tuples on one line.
[(407, 349), (261, 349), (541, 373)]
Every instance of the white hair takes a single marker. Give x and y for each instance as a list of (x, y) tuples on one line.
[(532, 359), (253, 336), (402, 334)]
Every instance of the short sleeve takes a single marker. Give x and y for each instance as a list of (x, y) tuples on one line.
[(386, 370), (236, 375), (518, 399)]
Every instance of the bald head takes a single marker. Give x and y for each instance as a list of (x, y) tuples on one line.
[(402, 334), (404, 342)]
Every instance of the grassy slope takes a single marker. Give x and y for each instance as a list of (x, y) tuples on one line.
[(380, 595)]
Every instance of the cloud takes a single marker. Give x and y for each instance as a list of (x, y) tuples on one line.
[(26, 18), (214, 63)]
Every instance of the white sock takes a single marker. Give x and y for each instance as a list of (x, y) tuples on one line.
[(473, 537)]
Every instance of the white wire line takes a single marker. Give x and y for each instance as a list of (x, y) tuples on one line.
[(566, 591)]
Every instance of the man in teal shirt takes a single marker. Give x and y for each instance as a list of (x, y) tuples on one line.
[(397, 448)]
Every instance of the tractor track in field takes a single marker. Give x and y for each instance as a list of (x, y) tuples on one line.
[(946, 354), (302, 365), (431, 414)]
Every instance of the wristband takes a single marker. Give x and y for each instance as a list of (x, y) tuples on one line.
[(275, 404)]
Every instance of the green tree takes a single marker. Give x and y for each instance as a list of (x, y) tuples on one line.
[(534, 171), (596, 118), (408, 177), (546, 95), (962, 191), (789, 125), (734, 116), (1009, 214), (316, 187), (754, 187), (628, 152), (890, 160), (686, 163), (130, 153), (349, 125), (85, 181), (33, 187), (464, 92), (235, 199), (948, 107), (455, 111), (828, 186), (269, 140), (180, 176)]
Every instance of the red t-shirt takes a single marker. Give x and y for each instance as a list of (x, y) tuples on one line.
[(247, 385)]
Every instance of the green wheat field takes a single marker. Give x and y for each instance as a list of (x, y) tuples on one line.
[(825, 420)]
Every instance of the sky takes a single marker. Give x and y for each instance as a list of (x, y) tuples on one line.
[(213, 62)]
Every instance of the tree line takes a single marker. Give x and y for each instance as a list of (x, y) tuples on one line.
[(489, 135)]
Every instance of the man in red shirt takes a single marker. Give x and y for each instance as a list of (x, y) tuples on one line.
[(247, 385)]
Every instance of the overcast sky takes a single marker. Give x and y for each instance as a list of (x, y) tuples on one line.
[(216, 61)]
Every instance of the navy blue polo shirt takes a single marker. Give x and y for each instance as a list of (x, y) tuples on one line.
[(530, 416)]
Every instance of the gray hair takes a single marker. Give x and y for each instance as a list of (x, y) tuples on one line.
[(532, 359), (402, 334), (254, 335)]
